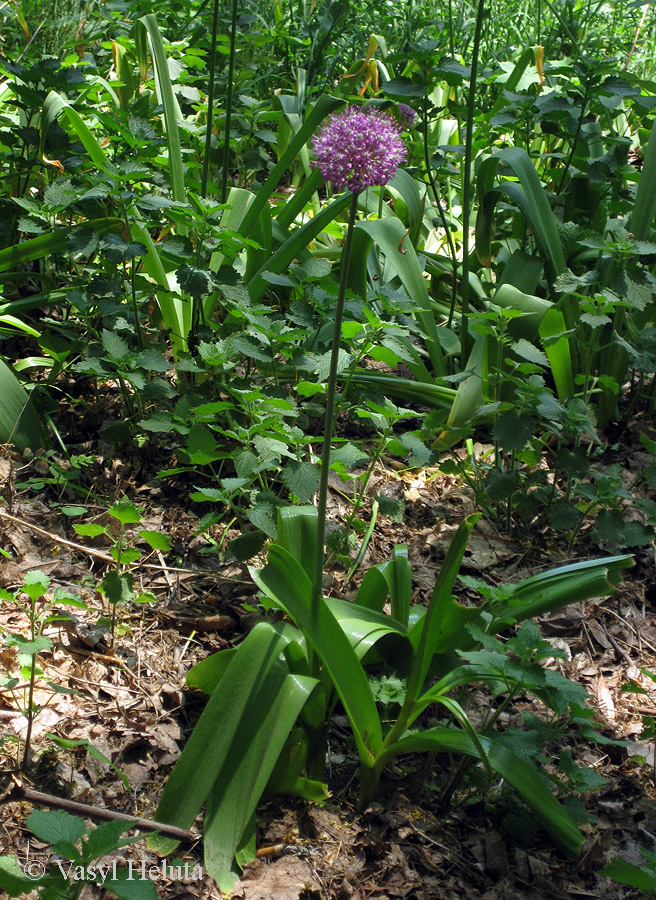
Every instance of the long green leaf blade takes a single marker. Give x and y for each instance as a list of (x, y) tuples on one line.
[(244, 776), (215, 737), (509, 766), (286, 583), (167, 98)]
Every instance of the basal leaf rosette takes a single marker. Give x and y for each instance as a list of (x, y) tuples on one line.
[(358, 149)]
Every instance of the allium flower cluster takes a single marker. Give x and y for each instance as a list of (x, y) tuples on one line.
[(358, 149), (407, 116)]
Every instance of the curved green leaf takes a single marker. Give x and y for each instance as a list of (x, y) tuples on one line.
[(284, 580), (518, 773), (323, 107), (55, 242), (218, 738), (400, 256), (172, 114), (19, 423), (294, 245), (246, 771)]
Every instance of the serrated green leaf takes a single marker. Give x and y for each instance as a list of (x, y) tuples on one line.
[(53, 826), (90, 530), (116, 347), (128, 886), (513, 431), (12, 879), (529, 351), (156, 539), (28, 647), (302, 479), (247, 545), (125, 511), (625, 872), (35, 584), (391, 507), (117, 588)]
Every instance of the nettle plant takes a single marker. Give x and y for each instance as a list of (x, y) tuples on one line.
[(118, 584), (84, 860), (40, 611)]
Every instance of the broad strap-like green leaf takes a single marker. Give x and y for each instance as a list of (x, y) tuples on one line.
[(172, 114), (245, 774), (297, 533), (206, 675), (516, 771), (323, 107), (374, 590), (529, 195), (218, 734), (559, 587), (284, 580), (644, 208), (400, 256), (367, 628), (55, 242), (552, 330), (19, 422), (398, 574), (295, 244), (54, 106), (469, 396)]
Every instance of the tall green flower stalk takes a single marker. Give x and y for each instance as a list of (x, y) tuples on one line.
[(466, 187), (356, 150), (329, 421), (210, 101), (228, 120)]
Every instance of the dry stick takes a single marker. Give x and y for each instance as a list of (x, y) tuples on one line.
[(18, 792)]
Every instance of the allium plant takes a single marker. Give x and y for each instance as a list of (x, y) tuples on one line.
[(356, 149)]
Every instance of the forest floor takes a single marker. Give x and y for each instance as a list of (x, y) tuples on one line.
[(132, 704)]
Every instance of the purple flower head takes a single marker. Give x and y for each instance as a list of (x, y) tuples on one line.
[(357, 149), (407, 116)]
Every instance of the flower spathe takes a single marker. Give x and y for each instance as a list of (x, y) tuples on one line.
[(358, 149)]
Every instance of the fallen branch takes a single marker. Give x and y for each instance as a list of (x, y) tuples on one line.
[(19, 792)]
